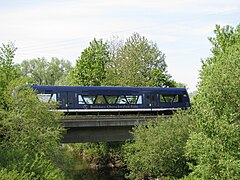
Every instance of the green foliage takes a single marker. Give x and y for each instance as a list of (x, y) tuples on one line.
[(158, 148), (90, 69), (215, 145), (44, 72), (65, 80), (14, 175), (225, 37), (99, 154), (30, 134), (25, 113), (92, 152), (38, 168), (42, 168), (137, 62), (8, 71)]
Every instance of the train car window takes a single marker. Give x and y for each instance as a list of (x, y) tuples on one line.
[(54, 97), (80, 100), (139, 100), (176, 98), (169, 98), (122, 100), (162, 99), (47, 97), (100, 100), (132, 99), (89, 99), (44, 97), (111, 99)]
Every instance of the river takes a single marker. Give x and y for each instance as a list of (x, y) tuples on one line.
[(83, 172)]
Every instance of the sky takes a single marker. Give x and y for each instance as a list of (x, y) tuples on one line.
[(63, 29)]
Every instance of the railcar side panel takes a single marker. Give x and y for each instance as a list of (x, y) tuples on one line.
[(76, 98)]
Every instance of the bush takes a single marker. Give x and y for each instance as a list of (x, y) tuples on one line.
[(13, 175), (158, 148), (30, 134)]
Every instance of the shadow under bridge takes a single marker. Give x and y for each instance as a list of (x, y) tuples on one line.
[(84, 128)]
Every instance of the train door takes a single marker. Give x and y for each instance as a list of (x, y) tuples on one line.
[(151, 100), (67, 100)]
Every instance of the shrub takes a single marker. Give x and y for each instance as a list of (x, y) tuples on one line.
[(158, 148)]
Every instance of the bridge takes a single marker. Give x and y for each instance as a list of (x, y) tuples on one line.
[(89, 128)]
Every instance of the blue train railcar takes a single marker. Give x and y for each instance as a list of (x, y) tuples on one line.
[(94, 99)]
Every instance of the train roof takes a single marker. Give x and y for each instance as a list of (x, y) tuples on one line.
[(106, 88)]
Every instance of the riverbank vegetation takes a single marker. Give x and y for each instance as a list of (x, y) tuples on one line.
[(205, 141), (214, 146), (30, 134), (200, 143), (158, 148)]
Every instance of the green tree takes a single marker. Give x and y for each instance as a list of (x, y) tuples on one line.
[(44, 72), (8, 70), (158, 148), (58, 70), (137, 62), (90, 68), (225, 37), (30, 134), (114, 48), (214, 147)]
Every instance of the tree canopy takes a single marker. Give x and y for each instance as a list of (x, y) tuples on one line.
[(137, 62), (44, 72), (29, 133), (207, 139), (8, 70), (214, 147), (90, 68)]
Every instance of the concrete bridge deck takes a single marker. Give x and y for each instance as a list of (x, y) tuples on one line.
[(101, 128)]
